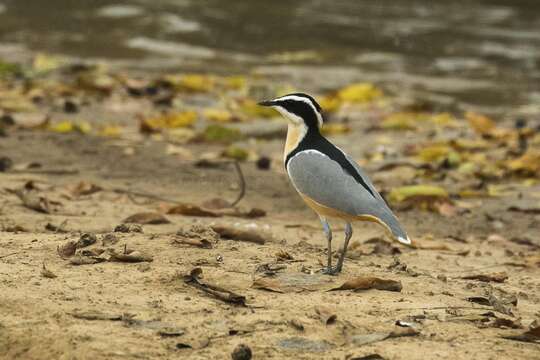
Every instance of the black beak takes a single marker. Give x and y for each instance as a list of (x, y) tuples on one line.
[(267, 103)]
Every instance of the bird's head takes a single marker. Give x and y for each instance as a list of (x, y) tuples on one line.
[(300, 109)]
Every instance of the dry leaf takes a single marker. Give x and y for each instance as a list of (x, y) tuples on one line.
[(147, 218), (84, 188), (191, 210), (374, 337), (403, 193), (47, 273), (96, 315), (360, 93), (202, 243), (283, 255), (494, 277), (168, 121), (85, 260), (67, 250), (130, 257), (218, 115), (326, 315), (366, 283), (268, 284), (235, 233), (481, 124), (33, 201), (532, 335)]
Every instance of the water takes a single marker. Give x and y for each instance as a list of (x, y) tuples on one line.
[(483, 52)]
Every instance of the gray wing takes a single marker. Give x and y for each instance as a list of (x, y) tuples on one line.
[(324, 180)]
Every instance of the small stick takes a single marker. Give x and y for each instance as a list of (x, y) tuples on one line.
[(45, 171), (242, 183), (14, 253), (222, 294)]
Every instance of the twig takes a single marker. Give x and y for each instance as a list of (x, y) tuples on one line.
[(478, 268), (142, 194), (242, 183), (218, 292), (451, 308), (45, 171), (14, 253)]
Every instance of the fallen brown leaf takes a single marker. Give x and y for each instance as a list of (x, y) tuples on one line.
[(283, 255), (191, 210), (96, 315), (366, 283), (33, 201), (494, 277), (147, 218), (532, 335), (84, 188), (326, 315), (374, 337), (202, 243), (85, 260), (67, 250), (268, 284), (130, 256), (235, 233), (46, 273)]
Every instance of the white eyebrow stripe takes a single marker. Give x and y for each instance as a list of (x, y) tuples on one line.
[(307, 101)]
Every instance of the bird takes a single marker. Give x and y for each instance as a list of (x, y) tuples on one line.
[(328, 180)]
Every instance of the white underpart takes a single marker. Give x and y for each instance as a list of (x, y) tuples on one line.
[(299, 98)]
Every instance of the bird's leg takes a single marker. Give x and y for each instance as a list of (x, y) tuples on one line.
[(328, 233), (348, 235)]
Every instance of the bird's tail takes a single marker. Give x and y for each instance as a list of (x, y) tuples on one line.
[(390, 221)]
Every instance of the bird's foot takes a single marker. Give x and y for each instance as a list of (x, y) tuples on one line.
[(329, 270)]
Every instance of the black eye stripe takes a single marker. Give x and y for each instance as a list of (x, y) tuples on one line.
[(301, 109)]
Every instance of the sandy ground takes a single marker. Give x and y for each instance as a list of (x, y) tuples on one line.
[(111, 310)]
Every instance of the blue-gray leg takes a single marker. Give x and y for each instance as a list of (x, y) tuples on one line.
[(328, 233), (348, 235)]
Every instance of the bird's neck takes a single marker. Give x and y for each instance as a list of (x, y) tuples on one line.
[(295, 134)]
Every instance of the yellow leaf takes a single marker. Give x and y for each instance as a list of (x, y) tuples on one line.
[(528, 163), (45, 63), (329, 103), (220, 133), (83, 127), (336, 128), (402, 121), (181, 135), (251, 108), (417, 191), (360, 93), (110, 131), (236, 152), (480, 124), (444, 119), (196, 83), (434, 153), (14, 101), (169, 121), (218, 115), (235, 82), (62, 127)]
